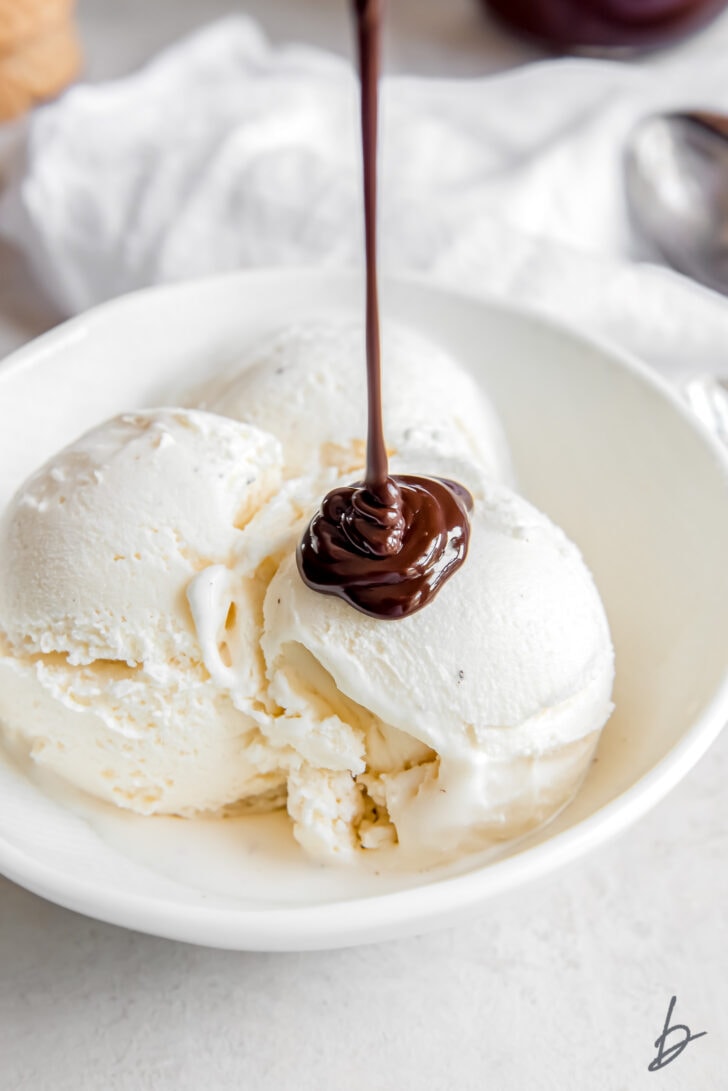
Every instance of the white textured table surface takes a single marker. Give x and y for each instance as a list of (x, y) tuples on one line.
[(562, 986)]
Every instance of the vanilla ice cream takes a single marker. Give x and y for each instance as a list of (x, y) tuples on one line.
[(159, 649), (306, 385), (101, 667), (468, 722)]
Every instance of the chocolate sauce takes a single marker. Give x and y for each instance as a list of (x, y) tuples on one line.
[(387, 544)]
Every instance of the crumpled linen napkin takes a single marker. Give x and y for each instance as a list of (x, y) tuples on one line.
[(226, 153)]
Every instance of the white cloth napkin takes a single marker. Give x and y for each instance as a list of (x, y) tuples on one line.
[(225, 153)]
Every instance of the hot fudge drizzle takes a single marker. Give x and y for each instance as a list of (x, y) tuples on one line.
[(387, 544)]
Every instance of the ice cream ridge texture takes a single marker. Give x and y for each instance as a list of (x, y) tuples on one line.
[(159, 649)]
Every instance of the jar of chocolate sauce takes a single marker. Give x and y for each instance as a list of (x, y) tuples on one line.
[(600, 26)]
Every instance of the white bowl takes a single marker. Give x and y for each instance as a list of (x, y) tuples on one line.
[(600, 444)]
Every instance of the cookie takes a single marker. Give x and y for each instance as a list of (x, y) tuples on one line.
[(38, 69), (21, 20)]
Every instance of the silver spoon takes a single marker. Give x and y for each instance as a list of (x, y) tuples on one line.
[(676, 184)]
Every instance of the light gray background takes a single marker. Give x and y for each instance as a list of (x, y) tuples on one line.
[(561, 986)]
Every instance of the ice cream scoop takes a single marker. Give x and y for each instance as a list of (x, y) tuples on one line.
[(306, 385), (159, 649), (469, 722), (101, 663)]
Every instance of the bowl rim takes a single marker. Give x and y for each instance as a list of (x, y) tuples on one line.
[(418, 908)]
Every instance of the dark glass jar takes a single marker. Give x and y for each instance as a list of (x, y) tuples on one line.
[(603, 25)]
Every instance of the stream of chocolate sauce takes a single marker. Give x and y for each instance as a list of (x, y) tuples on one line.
[(386, 545)]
